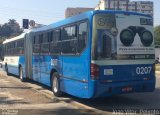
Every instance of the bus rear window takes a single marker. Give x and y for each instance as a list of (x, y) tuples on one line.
[(122, 37)]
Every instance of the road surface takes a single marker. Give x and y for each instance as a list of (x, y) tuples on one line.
[(18, 98)]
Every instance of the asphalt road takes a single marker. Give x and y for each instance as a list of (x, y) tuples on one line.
[(17, 98), (32, 98)]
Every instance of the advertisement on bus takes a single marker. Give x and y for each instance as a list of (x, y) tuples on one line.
[(123, 37)]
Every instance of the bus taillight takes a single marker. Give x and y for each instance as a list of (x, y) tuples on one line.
[(94, 71)]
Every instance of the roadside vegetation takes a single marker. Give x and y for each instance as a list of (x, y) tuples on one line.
[(157, 36), (9, 30)]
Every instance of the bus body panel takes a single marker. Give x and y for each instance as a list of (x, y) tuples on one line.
[(36, 68), (115, 88), (72, 80), (45, 68), (119, 73), (75, 75), (12, 65)]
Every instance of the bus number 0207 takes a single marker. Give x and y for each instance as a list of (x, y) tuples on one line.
[(143, 70)]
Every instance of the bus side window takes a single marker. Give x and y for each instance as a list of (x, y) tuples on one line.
[(34, 40), (10, 48), (36, 44), (82, 36), (50, 36), (41, 38), (20, 47), (37, 40), (6, 49), (69, 40), (1, 52), (55, 46), (45, 43), (15, 48)]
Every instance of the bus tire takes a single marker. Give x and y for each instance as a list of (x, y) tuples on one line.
[(56, 85), (21, 74)]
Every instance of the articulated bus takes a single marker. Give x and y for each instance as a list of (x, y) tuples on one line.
[(94, 54)]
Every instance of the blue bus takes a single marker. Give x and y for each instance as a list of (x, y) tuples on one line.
[(94, 54)]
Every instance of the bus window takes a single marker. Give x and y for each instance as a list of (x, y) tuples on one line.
[(56, 35), (45, 43), (50, 36), (1, 52), (104, 37), (69, 40), (16, 48), (55, 46), (13, 47), (20, 47), (36, 45), (44, 38), (106, 46), (36, 40), (41, 38), (82, 36)]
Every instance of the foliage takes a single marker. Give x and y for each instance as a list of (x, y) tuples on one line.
[(5, 30), (9, 29), (157, 35)]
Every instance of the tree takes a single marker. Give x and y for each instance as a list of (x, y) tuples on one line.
[(6, 30), (157, 35), (12, 21), (15, 27), (10, 29)]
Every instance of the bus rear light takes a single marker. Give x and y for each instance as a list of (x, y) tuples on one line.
[(94, 71)]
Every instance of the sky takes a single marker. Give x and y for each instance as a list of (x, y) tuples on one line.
[(50, 11)]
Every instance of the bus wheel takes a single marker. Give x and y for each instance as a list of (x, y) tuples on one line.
[(56, 85), (21, 74)]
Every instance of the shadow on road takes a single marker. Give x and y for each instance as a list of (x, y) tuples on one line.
[(137, 102)]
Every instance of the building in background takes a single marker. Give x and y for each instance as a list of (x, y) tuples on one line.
[(75, 11), (145, 7)]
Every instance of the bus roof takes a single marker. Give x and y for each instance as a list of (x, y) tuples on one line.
[(15, 38), (85, 15)]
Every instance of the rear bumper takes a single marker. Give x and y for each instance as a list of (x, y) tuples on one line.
[(109, 89)]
